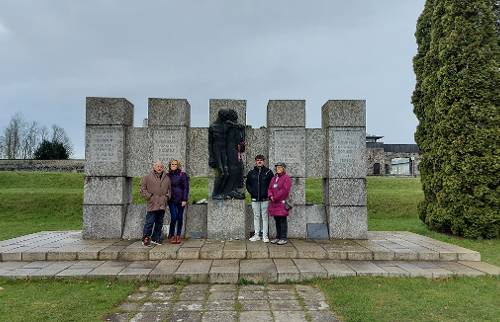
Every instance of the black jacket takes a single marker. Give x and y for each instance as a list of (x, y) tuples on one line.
[(257, 183)]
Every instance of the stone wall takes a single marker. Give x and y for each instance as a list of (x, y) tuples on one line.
[(117, 151), (42, 165)]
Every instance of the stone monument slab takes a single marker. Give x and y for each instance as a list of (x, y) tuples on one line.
[(197, 165), (347, 192), (169, 143), (134, 222), (347, 222), (315, 153), (105, 151), (107, 190), (109, 111), (344, 113), (168, 112), (288, 145), (289, 113), (346, 150), (239, 106), (103, 221), (226, 219), (139, 152)]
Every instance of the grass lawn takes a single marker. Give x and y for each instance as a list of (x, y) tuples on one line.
[(35, 201)]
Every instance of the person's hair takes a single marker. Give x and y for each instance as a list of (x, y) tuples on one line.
[(259, 157), (178, 164)]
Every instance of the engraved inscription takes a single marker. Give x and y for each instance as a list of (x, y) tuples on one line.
[(346, 148), (288, 146), (104, 145), (166, 145)]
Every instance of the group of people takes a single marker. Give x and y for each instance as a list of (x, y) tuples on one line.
[(269, 192)]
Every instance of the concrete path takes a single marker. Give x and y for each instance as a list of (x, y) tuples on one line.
[(380, 246), (228, 303), (231, 271)]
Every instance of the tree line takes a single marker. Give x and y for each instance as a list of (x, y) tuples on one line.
[(22, 139)]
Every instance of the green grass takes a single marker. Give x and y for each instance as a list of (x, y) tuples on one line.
[(60, 300), (413, 299)]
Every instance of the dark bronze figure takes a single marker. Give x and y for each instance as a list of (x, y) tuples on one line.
[(226, 143)]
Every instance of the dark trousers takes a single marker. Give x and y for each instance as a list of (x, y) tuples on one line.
[(176, 218), (281, 227), (153, 219)]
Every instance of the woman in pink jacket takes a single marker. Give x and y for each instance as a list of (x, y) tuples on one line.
[(278, 192)]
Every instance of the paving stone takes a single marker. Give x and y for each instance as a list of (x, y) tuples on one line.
[(90, 253), (138, 270), (194, 292), (164, 296), (459, 269), (167, 288), (414, 270), (190, 316), (149, 317), (482, 266), (129, 306), (252, 287), (308, 292), (405, 255), (446, 255), (287, 271), (138, 296), (224, 271), (258, 270), (391, 268), (221, 305), (117, 317), (74, 272), (256, 250), (165, 271), (336, 268), (322, 316), (188, 305), (316, 305), (222, 288), (156, 306), (195, 243), (35, 264), (36, 254), (285, 305), (282, 251), (196, 270), (217, 316), (289, 316), (134, 253), (212, 250), (282, 294), (51, 270), (188, 253), (234, 250), (252, 295), (111, 252), (109, 268), (254, 305), (363, 268), (309, 250), (309, 268), (260, 316), (165, 251), (222, 295)]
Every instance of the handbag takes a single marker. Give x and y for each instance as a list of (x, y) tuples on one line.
[(288, 205)]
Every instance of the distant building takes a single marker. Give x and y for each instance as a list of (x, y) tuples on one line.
[(391, 159)]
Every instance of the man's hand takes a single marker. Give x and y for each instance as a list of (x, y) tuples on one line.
[(183, 203)]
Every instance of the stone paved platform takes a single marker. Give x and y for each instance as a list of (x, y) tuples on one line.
[(228, 303), (380, 246), (231, 271)]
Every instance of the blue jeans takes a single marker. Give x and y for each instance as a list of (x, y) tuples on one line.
[(176, 218), (154, 218)]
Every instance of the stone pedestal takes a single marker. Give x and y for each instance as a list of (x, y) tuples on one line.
[(226, 219), (344, 187)]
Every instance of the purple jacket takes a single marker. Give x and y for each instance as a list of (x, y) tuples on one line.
[(179, 182), (279, 189)]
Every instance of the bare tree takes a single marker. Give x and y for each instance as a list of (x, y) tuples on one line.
[(12, 137), (60, 136), (30, 140)]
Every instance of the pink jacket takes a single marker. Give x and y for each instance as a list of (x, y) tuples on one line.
[(279, 189)]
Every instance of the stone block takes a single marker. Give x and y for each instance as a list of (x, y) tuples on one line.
[(258, 270), (197, 165), (139, 152), (317, 231), (343, 113), (286, 113), (337, 268), (257, 143), (346, 192), (105, 150), (298, 219), (169, 143), (298, 192), (346, 149), (134, 221), (310, 268), (287, 271), (196, 221), (224, 271), (316, 153), (239, 106), (348, 222), (164, 251), (109, 111), (103, 221), (226, 219), (168, 112), (212, 250), (107, 190), (288, 145), (194, 270), (234, 249)]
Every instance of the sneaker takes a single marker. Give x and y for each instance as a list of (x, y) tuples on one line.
[(156, 242), (282, 242), (146, 241), (265, 239), (274, 241), (254, 238)]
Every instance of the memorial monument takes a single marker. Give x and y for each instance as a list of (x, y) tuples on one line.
[(116, 151)]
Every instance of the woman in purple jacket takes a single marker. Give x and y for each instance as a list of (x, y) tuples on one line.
[(179, 182), (278, 192)]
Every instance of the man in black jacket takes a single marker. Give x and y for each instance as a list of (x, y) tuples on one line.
[(258, 180)]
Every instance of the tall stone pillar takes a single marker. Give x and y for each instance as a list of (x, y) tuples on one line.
[(344, 123), (225, 218), (286, 121), (107, 189)]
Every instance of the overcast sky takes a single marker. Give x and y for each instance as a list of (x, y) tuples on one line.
[(55, 53)]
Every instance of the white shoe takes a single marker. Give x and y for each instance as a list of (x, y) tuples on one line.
[(254, 238), (265, 239)]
